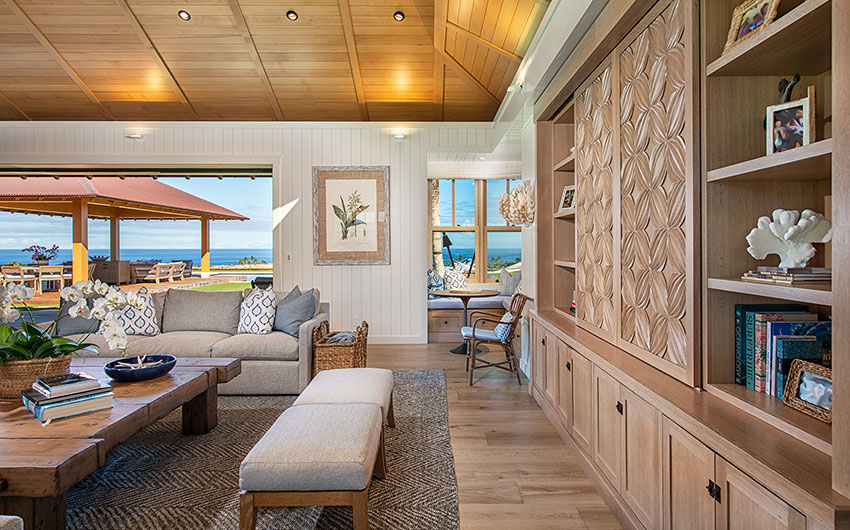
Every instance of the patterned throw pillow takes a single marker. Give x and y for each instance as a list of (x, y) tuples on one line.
[(256, 314), (435, 283), (509, 283), (140, 320), (502, 331), (454, 280)]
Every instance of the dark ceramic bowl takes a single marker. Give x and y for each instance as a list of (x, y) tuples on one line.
[(141, 374)]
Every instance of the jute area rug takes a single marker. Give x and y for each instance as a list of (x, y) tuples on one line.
[(160, 479)]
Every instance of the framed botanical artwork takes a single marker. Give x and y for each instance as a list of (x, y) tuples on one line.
[(791, 124), (351, 221), (568, 198), (748, 19), (809, 389)]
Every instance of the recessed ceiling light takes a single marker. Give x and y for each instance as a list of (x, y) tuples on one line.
[(482, 158), (184, 15), (292, 15), (398, 16)]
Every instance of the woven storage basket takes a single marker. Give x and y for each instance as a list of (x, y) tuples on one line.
[(19, 375), (328, 356)]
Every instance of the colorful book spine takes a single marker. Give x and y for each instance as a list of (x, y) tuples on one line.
[(790, 348), (741, 366), (760, 345)]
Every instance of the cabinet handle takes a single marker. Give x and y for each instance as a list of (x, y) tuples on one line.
[(543, 341), (569, 368), (620, 407)]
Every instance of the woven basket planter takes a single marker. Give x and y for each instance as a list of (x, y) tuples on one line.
[(16, 376), (329, 356)]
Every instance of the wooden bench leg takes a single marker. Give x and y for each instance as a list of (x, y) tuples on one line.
[(360, 510), (247, 511), (381, 459), (390, 413)]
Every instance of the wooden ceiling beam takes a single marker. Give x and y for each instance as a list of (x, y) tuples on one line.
[(463, 31), (33, 29), (464, 74), (440, 18), (255, 57), (353, 60), (157, 57), (17, 110)]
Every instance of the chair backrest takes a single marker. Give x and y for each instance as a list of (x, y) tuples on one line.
[(91, 271), (517, 307), (177, 268), (50, 269), (11, 269)]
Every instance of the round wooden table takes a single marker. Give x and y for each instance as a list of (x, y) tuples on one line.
[(465, 296)]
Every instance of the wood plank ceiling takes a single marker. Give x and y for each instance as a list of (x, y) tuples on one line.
[(243, 60)]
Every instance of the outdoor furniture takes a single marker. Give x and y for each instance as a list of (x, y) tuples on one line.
[(465, 295), (111, 271), (17, 274), (262, 282), (144, 272), (187, 271), (352, 385), (53, 274), (177, 269), (503, 337), (315, 455), (39, 464)]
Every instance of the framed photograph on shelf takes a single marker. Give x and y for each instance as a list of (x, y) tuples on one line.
[(351, 215), (748, 19), (792, 124), (568, 198), (809, 389)]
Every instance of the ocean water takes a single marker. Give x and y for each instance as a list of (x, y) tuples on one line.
[(218, 256)]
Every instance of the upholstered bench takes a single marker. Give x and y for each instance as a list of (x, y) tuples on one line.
[(317, 455), (352, 385)]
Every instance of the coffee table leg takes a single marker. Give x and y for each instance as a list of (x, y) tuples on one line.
[(200, 414), (38, 513)]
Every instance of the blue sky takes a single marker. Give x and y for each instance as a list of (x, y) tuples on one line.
[(465, 213), (252, 198)]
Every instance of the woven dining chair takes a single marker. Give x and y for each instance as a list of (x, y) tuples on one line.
[(503, 335)]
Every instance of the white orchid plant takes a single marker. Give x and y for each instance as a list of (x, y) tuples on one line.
[(34, 342)]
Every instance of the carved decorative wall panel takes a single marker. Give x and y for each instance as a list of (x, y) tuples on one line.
[(653, 202), (594, 203)]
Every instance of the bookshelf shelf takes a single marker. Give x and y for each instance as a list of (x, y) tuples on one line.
[(810, 162), (565, 312), (567, 164), (820, 293), (565, 214), (771, 410), (803, 35), (565, 264)]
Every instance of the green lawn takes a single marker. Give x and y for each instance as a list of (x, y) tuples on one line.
[(218, 287)]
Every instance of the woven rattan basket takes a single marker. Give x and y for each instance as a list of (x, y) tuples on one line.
[(19, 375), (328, 356)]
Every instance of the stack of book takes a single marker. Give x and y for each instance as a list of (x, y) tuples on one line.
[(769, 336), (788, 276), (66, 395)]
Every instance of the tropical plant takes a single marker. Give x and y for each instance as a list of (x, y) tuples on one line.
[(42, 253), (348, 216), (31, 341), (251, 261)]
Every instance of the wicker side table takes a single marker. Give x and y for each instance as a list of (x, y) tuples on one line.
[(328, 356)]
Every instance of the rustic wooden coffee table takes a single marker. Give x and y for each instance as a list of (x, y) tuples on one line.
[(39, 464)]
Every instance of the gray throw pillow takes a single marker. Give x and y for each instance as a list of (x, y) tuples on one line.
[(66, 325), (201, 311), (289, 316), (509, 283)]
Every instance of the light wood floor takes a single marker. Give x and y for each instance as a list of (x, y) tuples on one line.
[(513, 470)]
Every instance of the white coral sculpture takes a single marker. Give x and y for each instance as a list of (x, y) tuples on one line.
[(790, 236), (518, 206)]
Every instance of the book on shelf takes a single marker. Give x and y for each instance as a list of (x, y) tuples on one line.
[(744, 368), (789, 328), (805, 347), (788, 276), (760, 362), (67, 406), (65, 384), (795, 270)]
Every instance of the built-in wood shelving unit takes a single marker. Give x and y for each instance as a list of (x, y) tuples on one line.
[(810, 162), (567, 164), (814, 293), (565, 213), (565, 264)]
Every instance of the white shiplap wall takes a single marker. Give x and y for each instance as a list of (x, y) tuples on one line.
[(391, 298)]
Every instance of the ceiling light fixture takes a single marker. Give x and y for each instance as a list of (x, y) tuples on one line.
[(399, 136), (482, 158), (136, 136), (398, 16), (184, 15), (516, 87), (292, 15)]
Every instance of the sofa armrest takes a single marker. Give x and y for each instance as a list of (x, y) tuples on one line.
[(305, 349)]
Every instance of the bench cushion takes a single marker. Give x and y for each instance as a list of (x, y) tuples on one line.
[(271, 346), (315, 448), (485, 302), (350, 385), (201, 311)]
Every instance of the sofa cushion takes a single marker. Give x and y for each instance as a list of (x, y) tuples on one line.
[(139, 320), (159, 306), (289, 317), (350, 385), (66, 325), (178, 344), (315, 448), (102, 350), (201, 311), (271, 346), (257, 311)]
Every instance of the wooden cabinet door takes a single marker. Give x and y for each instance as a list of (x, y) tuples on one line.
[(607, 424), (582, 424), (687, 467), (551, 377), (746, 505), (565, 384), (640, 484), (538, 357)]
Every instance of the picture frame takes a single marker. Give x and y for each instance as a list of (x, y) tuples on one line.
[(809, 389), (748, 19), (792, 124), (568, 198), (351, 215)]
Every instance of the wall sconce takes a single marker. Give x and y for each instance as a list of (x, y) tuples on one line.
[(399, 136), (136, 136)]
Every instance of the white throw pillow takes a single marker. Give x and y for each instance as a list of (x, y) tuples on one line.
[(139, 320), (509, 283), (454, 280), (502, 331), (256, 314)]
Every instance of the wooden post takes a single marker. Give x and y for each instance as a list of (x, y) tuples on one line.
[(205, 247), (80, 253), (114, 239)]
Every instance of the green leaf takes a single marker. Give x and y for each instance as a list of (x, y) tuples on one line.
[(342, 202), (340, 213), (358, 222)]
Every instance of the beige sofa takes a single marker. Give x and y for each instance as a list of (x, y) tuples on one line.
[(200, 324)]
